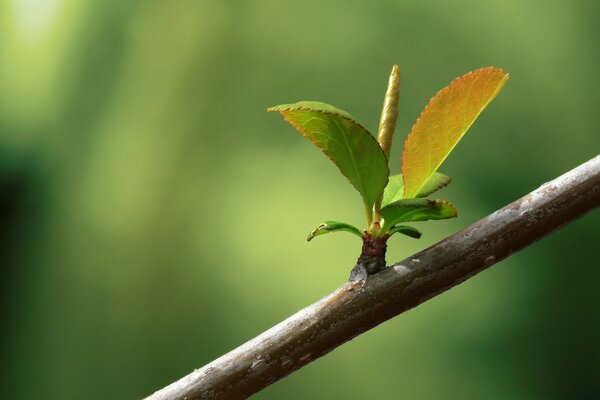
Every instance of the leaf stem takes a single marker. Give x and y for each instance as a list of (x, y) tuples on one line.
[(369, 212)]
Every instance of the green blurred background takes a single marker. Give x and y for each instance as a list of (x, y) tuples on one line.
[(153, 215)]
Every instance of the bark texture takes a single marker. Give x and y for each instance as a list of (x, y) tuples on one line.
[(359, 306)]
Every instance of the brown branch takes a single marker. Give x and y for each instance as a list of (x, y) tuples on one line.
[(353, 309)]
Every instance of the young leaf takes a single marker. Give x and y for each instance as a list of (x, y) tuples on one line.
[(389, 112), (443, 123), (434, 183), (333, 226), (406, 230), (347, 143), (394, 190), (416, 210)]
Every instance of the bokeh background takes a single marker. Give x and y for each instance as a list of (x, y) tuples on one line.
[(153, 215)]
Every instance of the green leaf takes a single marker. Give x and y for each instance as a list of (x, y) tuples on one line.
[(394, 190), (416, 210), (435, 183), (406, 230), (444, 121), (333, 226), (346, 142)]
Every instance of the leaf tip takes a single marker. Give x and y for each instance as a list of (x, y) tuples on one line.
[(452, 207), (315, 232)]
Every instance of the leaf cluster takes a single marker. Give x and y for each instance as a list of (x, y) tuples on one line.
[(392, 201)]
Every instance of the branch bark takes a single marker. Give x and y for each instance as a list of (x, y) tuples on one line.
[(353, 309)]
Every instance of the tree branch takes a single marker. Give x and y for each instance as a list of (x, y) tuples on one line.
[(353, 309)]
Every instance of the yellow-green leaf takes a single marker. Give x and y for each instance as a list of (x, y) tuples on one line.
[(346, 142), (394, 190), (435, 182), (443, 123)]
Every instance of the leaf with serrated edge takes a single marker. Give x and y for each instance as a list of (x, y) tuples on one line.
[(434, 183), (394, 190), (443, 123), (333, 226), (406, 230), (346, 142), (411, 210)]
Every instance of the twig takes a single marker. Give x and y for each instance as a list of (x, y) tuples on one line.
[(353, 309)]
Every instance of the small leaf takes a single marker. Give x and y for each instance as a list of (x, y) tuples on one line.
[(333, 226), (406, 230), (347, 143), (434, 183), (443, 123), (416, 210), (394, 190)]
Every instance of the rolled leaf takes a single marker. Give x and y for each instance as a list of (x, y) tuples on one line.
[(410, 210), (394, 190), (406, 230), (389, 112), (333, 226), (443, 123), (346, 142)]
